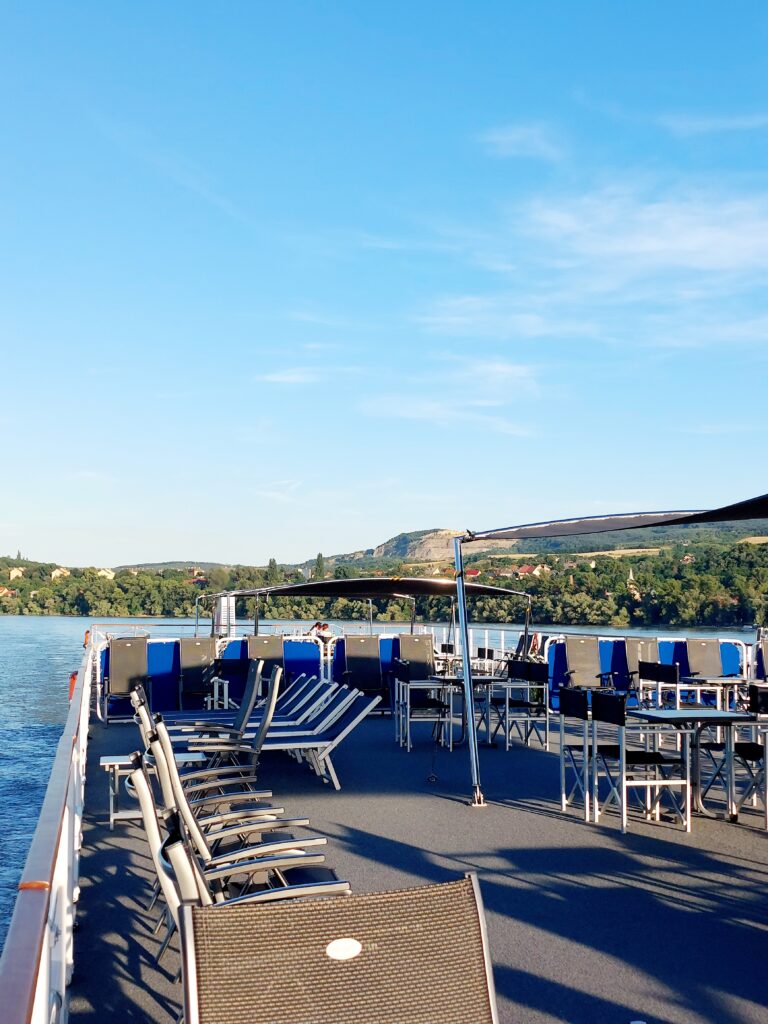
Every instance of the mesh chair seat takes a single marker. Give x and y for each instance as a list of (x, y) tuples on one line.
[(518, 702), (610, 750), (747, 750), (417, 955)]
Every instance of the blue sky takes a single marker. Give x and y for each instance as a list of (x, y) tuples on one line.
[(281, 278)]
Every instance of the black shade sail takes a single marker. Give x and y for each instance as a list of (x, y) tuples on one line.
[(374, 587), (752, 508)]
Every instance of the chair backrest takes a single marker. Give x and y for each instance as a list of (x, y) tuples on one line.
[(419, 651), (197, 656), (517, 669), (758, 699), (609, 707), (704, 657), (143, 791), (127, 665), (267, 713), (174, 797), (640, 648), (376, 957), (143, 718), (574, 703), (268, 647), (363, 662), (655, 672), (583, 656), (250, 695), (760, 654)]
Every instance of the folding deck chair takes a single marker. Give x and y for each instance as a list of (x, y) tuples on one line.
[(582, 654), (317, 748), (637, 649), (418, 955)]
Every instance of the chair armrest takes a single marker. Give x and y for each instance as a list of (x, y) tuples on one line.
[(241, 770), (262, 864), (265, 850), (220, 798), (240, 814), (290, 892), (201, 787), (253, 825)]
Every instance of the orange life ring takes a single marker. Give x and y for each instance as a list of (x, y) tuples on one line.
[(72, 681)]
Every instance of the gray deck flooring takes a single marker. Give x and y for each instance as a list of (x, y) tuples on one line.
[(586, 926)]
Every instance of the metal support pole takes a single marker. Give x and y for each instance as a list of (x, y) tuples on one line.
[(469, 702), (527, 626), (256, 618), (197, 614), (413, 614), (370, 616)]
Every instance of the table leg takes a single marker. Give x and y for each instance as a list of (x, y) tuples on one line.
[(729, 774)]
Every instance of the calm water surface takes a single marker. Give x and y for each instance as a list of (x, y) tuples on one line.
[(36, 656)]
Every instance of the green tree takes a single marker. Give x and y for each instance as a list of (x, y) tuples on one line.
[(319, 571), (273, 574)]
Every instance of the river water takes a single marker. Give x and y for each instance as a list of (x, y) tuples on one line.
[(36, 656)]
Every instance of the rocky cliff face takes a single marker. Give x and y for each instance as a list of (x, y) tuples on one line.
[(431, 546)]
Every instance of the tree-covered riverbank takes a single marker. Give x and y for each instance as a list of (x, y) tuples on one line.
[(691, 585)]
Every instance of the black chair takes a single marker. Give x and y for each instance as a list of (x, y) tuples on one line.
[(528, 712), (627, 769), (418, 703), (748, 756), (576, 757), (652, 674)]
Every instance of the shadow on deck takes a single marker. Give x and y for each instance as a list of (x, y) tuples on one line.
[(586, 926)]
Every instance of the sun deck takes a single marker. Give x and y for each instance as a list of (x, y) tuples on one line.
[(585, 925)]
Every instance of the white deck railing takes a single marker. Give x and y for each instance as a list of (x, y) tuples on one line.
[(36, 965)]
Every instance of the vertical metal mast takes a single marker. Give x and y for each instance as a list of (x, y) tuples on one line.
[(469, 701)]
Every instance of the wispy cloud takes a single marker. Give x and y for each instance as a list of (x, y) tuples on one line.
[(648, 262), (533, 140), (281, 491), (440, 413), (686, 125), (715, 429), (137, 143), (292, 375), (298, 375), (691, 229), (501, 316), (680, 123)]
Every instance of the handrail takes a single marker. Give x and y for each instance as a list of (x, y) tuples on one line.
[(37, 957)]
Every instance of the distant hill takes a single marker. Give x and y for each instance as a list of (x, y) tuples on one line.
[(436, 545), (159, 566)]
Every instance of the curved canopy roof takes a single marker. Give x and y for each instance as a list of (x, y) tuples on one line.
[(376, 586), (752, 508)]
